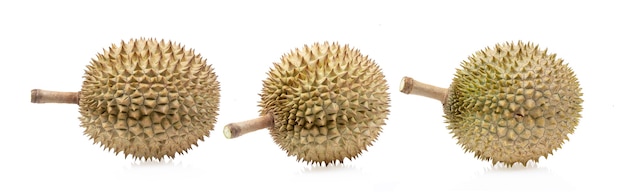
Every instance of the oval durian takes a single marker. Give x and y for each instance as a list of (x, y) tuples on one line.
[(512, 103), (321, 103), (145, 98)]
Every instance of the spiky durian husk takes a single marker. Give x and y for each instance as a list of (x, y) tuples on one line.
[(149, 99), (329, 102), (513, 103)]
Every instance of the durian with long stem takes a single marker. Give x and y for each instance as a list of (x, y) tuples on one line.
[(322, 103), (512, 103), (145, 98)]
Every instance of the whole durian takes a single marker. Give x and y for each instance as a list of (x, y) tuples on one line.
[(512, 103), (321, 103), (145, 98)]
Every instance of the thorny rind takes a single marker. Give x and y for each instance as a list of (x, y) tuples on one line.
[(513, 104), (329, 103), (149, 99)]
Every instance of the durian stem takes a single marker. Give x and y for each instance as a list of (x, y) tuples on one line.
[(234, 130), (409, 85), (41, 96)]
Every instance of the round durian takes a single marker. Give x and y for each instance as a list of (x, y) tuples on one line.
[(322, 103), (512, 103), (145, 98)]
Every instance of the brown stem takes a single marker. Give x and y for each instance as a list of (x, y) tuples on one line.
[(409, 85), (41, 96), (234, 130)]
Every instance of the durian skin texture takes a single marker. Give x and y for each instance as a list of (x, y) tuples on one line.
[(148, 98), (513, 103), (329, 102)]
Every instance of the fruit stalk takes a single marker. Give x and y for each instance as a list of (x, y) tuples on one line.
[(409, 85), (234, 130), (41, 96)]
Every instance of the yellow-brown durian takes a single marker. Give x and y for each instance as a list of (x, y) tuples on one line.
[(145, 98), (512, 103), (322, 103)]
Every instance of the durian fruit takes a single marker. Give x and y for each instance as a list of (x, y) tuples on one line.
[(322, 103), (145, 98), (512, 103)]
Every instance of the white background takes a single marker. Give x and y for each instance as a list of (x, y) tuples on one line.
[(47, 44)]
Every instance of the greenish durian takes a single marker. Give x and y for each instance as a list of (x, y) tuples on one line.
[(322, 103), (512, 103), (145, 98)]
